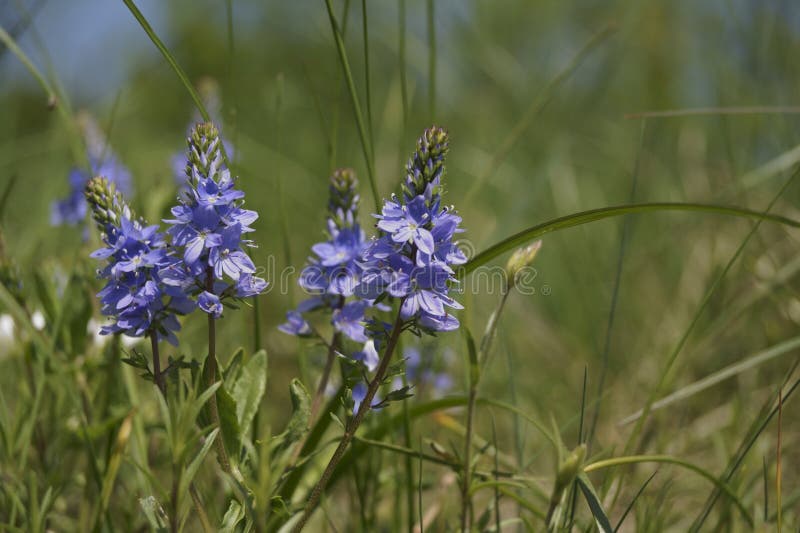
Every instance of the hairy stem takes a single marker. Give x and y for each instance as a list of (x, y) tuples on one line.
[(352, 426), (211, 379), (158, 375)]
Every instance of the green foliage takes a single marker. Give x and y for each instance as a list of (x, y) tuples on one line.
[(700, 349)]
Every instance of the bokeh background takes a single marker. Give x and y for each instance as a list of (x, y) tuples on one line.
[(287, 112)]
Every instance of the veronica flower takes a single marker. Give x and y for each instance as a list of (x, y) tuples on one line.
[(421, 374), (334, 270), (72, 209), (134, 297), (207, 230), (412, 259)]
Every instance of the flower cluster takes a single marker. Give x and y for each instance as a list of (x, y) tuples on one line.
[(208, 228), (413, 256), (71, 210), (334, 271), (134, 296)]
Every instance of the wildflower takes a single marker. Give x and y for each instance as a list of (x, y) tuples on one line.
[(208, 230), (134, 297), (413, 256), (295, 325), (102, 162), (422, 374), (335, 270)]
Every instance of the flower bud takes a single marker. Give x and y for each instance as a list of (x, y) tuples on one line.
[(343, 200), (570, 467), (520, 259), (426, 165), (105, 202), (205, 158)]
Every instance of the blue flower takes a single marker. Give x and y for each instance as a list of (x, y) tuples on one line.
[(413, 256), (334, 271), (72, 209), (350, 320), (134, 297), (420, 372), (295, 325), (408, 223), (207, 230), (210, 303)]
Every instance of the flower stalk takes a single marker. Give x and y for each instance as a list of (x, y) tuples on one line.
[(352, 425)]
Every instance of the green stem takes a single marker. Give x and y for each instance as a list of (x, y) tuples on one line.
[(352, 426), (483, 356), (316, 403)]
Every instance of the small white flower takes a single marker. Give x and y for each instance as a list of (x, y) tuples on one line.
[(37, 319), (6, 328)]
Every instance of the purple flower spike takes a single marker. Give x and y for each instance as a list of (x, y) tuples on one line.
[(207, 230)]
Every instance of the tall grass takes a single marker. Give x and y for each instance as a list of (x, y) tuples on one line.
[(641, 378)]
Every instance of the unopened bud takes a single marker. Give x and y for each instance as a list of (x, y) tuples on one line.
[(570, 467), (520, 259)]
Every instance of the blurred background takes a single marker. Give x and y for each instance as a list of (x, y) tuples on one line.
[(535, 134)]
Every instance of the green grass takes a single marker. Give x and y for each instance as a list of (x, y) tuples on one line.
[(661, 331)]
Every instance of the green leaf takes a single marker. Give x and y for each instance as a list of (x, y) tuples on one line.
[(249, 388), (301, 406), (595, 506), (593, 215), (229, 423), (233, 516), (337, 420), (194, 466), (231, 372)]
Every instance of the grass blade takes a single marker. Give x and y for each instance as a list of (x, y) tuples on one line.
[(612, 312), (431, 21), (636, 459), (593, 215), (140, 18), (721, 375), (52, 95), (756, 428), (351, 87), (603, 524), (673, 356), (633, 501), (537, 105)]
